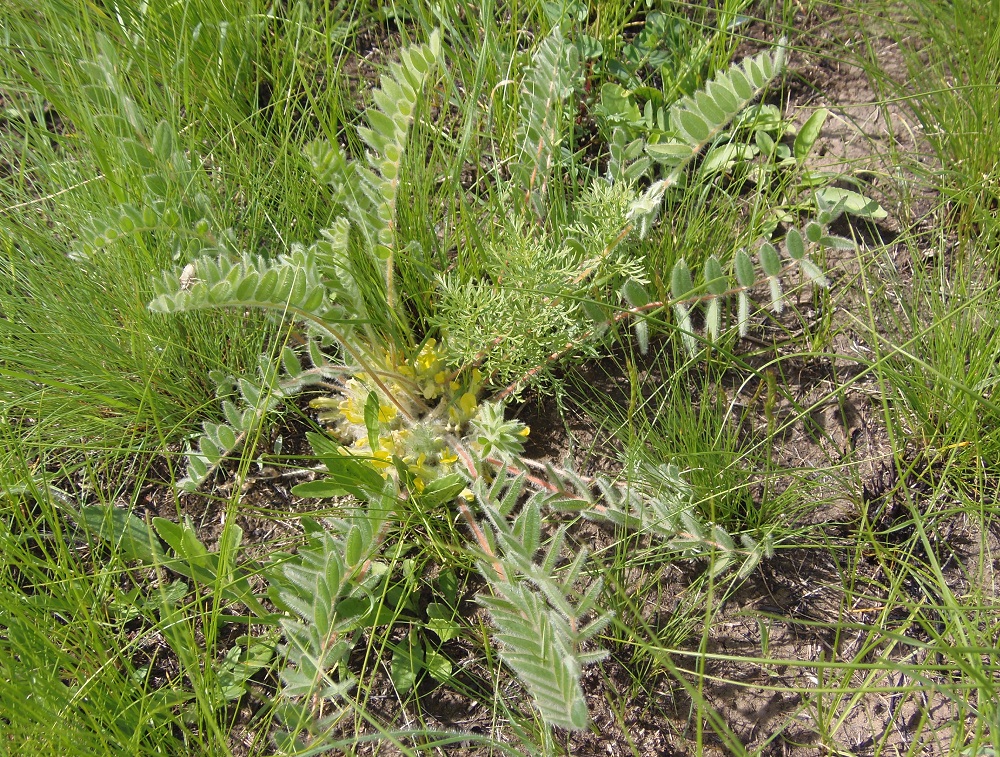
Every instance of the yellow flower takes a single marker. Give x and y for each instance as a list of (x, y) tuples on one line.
[(468, 403), (465, 408), (349, 409), (524, 432), (329, 408), (324, 403), (387, 413), (428, 361), (448, 457), (430, 390), (380, 461)]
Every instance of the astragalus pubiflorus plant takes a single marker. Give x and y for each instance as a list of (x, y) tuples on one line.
[(407, 406)]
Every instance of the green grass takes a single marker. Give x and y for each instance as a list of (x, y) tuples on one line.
[(952, 64), (104, 654)]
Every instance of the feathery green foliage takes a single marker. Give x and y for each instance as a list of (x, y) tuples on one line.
[(529, 300)]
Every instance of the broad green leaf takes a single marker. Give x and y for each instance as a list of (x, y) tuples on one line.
[(182, 540), (138, 154), (808, 135), (227, 437), (668, 152), (764, 142), (321, 489), (127, 533), (794, 244), (724, 157), (715, 279), (266, 287), (240, 664), (322, 444), (441, 490), (290, 361), (836, 243), (767, 65), (210, 450), (198, 563), (246, 289), (635, 294), (681, 285), (198, 466), (172, 594), (407, 663), (163, 141), (448, 584), (743, 88), (132, 213), (594, 311), (372, 408), (770, 261), (618, 106), (708, 108), (437, 665), (357, 612), (745, 274), (723, 96), (156, 184), (355, 476), (854, 203), (529, 528), (693, 125), (441, 620), (354, 546)]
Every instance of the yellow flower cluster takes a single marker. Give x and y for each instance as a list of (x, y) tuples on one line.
[(427, 369), (421, 443)]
